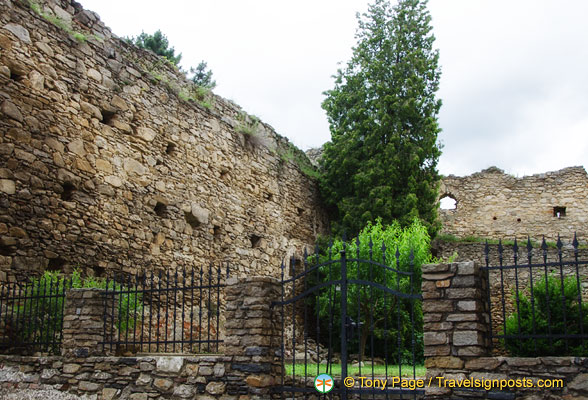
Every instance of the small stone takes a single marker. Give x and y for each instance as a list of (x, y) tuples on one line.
[(170, 364), (215, 388), (17, 232), (146, 134), (37, 80), (8, 108), (71, 368), (19, 31), (184, 391), (133, 166), (77, 147), (109, 393), (92, 73), (91, 109), (7, 186), (88, 386), (103, 165), (163, 384), (114, 181)]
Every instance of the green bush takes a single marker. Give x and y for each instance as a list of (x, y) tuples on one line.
[(548, 311), (40, 315), (377, 310)]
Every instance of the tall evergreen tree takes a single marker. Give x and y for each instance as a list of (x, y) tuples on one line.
[(382, 159)]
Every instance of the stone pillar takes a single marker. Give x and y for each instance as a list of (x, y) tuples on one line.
[(455, 318), (253, 336), (83, 322)]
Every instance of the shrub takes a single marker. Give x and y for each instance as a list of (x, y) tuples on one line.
[(41, 314), (549, 312), (386, 310)]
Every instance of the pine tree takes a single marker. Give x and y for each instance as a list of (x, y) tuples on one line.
[(159, 44), (382, 159)]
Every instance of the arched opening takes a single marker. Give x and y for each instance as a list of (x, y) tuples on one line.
[(447, 202)]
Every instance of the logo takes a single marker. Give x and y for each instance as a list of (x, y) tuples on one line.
[(323, 383)]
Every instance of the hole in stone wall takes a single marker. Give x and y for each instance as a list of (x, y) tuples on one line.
[(192, 220), (300, 211), (170, 149), (269, 196), (68, 191), (158, 162), (15, 76), (107, 117), (216, 231), (494, 218), (255, 240), (447, 202), (99, 272), (160, 209), (559, 212), (518, 220), (56, 264)]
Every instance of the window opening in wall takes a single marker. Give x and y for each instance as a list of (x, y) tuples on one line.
[(15, 76), (107, 117), (68, 191), (170, 149), (559, 212), (255, 240), (448, 202), (160, 209)]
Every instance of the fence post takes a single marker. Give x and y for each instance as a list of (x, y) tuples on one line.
[(83, 322), (253, 336), (456, 319)]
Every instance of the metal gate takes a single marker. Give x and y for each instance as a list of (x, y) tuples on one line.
[(351, 326)]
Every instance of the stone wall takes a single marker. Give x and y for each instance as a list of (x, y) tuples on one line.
[(248, 369), (492, 204), (457, 345), (111, 159)]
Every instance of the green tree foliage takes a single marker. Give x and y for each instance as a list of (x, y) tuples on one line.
[(202, 77), (382, 159), (379, 312), (550, 305), (159, 44)]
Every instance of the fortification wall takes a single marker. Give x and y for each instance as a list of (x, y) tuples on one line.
[(493, 204), (111, 160)]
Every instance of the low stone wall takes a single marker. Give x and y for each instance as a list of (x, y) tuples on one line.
[(457, 345), (247, 370), (107, 378)]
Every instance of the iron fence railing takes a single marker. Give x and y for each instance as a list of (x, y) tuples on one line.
[(31, 314), (163, 312), (538, 308)]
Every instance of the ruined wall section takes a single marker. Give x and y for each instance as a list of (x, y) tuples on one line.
[(493, 204), (110, 160)]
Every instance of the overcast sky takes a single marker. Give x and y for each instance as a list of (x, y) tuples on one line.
[(514, 78)]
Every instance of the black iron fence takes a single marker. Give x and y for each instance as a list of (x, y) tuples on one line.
[(538, 307), (177, 312), (31, 314), (152, 312), (347, 314)]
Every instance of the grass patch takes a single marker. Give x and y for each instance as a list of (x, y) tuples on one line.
[(378, 370), (58, 22)]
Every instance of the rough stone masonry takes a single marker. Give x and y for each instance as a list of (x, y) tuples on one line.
[(109, 160)]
